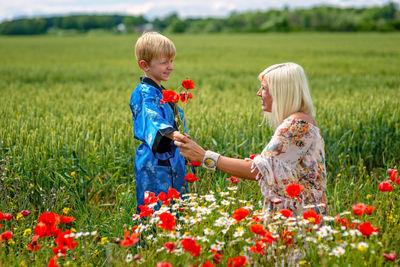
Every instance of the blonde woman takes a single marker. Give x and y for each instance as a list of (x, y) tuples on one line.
[(295, 153)]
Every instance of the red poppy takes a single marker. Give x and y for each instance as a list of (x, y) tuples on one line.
[(233, 179), (6, 236), (67, 219), (217, 258), (393, 174), (190, 246), (25, 213), (385, 186), (130, 239), (188, 84), (191, 178), (268, 238), (170, 247), (163, 197), (312, 216), (390, 257), (207, 264), (7, 216), (33, 246), (167, 221), (252, 156), (359, 209), (342, 221), (367, 229), (258, 248), (369, 209), (185, 96), (172, 193), (285, 212), (240, 214), (149, 198), (65, 240), (169, 96), (1, 216), (145, 211), (52, 262), (294, 190), (256, 218), (194, 163), (258, 229), (164, 264), (287, 237), (237, 262)]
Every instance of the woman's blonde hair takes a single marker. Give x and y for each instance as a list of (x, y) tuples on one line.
[(153, 45), (289, 90)]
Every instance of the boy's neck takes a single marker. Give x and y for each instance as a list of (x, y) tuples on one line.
[(148, 80)]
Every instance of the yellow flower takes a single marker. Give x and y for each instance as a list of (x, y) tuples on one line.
[(11, 241), (302, 262), (27, 232), (73, 230), (96, 252), (66, 210), (22, 263), (104, 240), (19, 216), (73, 174), (368, 196)]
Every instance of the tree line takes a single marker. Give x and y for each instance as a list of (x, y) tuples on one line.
[(321, 18)]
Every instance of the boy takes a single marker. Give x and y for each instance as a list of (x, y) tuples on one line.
[(158, 163)]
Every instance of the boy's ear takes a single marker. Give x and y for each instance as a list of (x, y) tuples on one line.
[(144, 65)]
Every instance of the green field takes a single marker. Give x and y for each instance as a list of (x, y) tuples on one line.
[(66, 134)]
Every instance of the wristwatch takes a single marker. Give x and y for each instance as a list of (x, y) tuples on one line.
[(210, 160)]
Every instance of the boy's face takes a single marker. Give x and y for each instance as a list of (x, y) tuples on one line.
[(159, 69)]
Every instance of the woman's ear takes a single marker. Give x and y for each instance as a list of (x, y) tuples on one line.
[(143, 65)]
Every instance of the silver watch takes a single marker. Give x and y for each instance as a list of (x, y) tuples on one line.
[(210, 160)]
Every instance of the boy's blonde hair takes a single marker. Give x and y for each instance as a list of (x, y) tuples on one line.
[(289, 90), (154, 45)]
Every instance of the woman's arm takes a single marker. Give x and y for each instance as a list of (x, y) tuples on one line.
[(236, 167)]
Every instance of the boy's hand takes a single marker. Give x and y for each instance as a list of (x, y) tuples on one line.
[(176, 135)]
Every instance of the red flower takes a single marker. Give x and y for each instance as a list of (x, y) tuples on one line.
[(33, 246), (342, 221), (25, 213), (190, 246), (252, 156), (169, 96), (369, 209), (52, 262), (207, 264), (287, 213), (233, 179), (7, 216), (359, 209), (385, 186), (268, 238), (194, 163), (149, 198), (390, 257), (237, 262), (185, 96), (167, 221), (217, 258), (294, 190), (172, 193), (191, 178), (258, 248), (130, 240), (258, 229), (170, 247), (145, 211), (6, 236), (164, 264), (188, 84), (312, 216), (67, 219), (366, 228), (240, 214), (65, 240), (287, 237), (256, 218), (1, 216), (393, 174), (163, 197)]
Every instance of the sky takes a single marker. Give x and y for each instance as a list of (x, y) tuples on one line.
[(11, 9)]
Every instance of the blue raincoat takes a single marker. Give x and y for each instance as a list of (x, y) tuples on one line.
[(158, 163)]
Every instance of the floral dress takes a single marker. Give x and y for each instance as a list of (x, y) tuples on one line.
[(295, 154)]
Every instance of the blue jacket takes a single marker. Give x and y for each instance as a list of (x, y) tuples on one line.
[(158, 163)]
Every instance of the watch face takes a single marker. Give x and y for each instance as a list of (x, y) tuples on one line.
[(209, 163)]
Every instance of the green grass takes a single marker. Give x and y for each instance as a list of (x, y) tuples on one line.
[(64, 108)]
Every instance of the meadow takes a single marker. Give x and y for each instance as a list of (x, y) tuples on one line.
[(66, 138)]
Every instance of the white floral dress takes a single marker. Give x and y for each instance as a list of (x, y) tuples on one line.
[(295, 154)]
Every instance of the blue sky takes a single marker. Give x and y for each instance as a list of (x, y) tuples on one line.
[(10, 9)]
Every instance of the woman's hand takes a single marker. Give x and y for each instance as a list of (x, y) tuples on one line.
[(189, 149)]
